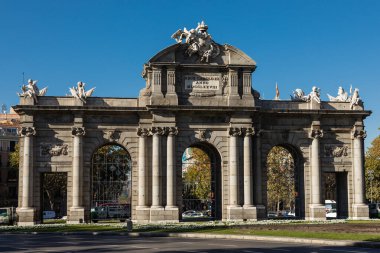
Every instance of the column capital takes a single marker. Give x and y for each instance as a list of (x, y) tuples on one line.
[(172, 131), (27, 131), (157, 131), (316, 133), (234, 131), (249, 131), (358, 134), (143, 132), (78, 131)]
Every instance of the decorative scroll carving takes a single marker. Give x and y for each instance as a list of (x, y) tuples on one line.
[(203, 134), (172, 130), (234, 131), (79, 92), (27, 131), (359, 134), (78, 131), (157, 131), (198, 42), (113, 135), (250, 131), (336, 151), (31, 90), (316, 133), (143, 132), (53, 150)]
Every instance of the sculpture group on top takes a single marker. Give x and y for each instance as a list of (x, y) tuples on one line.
[(198, 42), (31, 90), (80, 93), (354, 98)]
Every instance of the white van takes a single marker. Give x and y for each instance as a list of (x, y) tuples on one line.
[(48, 215), (330, 206)]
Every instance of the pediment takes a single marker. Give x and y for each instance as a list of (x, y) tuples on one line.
[(228, 55)]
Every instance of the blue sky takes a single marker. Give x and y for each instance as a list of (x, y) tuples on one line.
[(299, 44)]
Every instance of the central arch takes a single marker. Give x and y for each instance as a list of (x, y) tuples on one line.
[(284, 182), (201, 183), (111, 183)]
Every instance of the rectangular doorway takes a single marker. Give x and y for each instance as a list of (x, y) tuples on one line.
[(335, 195), (53, 197)]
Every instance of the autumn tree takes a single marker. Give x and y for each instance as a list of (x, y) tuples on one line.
[(281, 182), (197, 175), (372, 171), (14, 157)]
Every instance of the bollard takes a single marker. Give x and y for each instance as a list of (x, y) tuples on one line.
[(129, 225)]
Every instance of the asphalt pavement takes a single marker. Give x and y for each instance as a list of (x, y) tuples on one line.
[(122, 243)]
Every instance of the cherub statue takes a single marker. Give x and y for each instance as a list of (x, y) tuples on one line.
[(315, 95), (299, 95), (342, 96), (31, 90), (79, 92), (355, 99)]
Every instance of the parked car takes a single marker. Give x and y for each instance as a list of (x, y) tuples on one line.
[(110, 211), (272, 214), (8, 215), (374, 210), (192, 214)]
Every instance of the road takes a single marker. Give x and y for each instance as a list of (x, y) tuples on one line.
[(119, 243)]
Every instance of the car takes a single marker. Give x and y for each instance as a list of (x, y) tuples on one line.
[(272, 214), (330, 206), (8, 215), (192, 214)]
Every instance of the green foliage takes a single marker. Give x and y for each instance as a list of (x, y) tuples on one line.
[(197, 175), (14, 157), (372, 171), (281, 183)]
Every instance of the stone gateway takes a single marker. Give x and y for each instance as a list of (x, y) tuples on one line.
[(198, 94)]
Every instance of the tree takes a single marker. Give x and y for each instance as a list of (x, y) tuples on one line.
[(281, 182), (372, 171), (14, 157), (197, 175)]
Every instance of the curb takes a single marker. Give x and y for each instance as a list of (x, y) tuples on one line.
[(216, 236)]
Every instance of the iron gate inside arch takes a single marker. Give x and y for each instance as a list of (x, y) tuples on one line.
[(111, 184), (200, 183)]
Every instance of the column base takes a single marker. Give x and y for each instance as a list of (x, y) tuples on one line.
[(235, 213), (360, 212), (142, 215), (157, 214), (76, 215), (317, 212), (26, 216), (172, 214), (249, 213)]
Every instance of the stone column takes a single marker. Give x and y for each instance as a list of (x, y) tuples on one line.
[(233, 177), (249, 132), (171, 168), (142, 133), (234, 210), (258, 193), (76, 209), (317, 209), (26, 212), (360, 209), (27, 167), (156, 167)]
